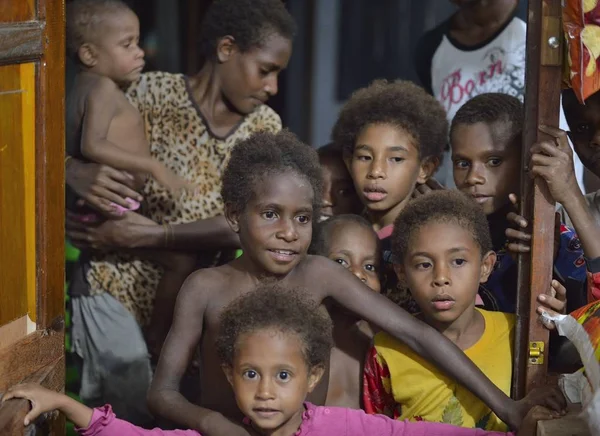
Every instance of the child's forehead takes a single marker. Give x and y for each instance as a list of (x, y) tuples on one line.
[(386, 136), (477, 138), (351, 234), (441, 232), (279, 184)]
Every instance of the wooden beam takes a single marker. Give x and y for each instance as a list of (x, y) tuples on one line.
[(20, 41), (542, 106)]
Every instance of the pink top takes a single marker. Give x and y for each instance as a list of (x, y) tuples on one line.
[(316, 421)]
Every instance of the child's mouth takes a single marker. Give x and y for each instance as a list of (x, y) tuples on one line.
[(265, 412), (481, 198), (283, 255), (375, 193), (443, 302)]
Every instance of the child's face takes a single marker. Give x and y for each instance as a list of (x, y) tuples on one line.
[(443, 269), (339, 196), (385, 167), (271, 379), (117, 54), (584, 122), (275, 228), (486, 165), (355, 247)]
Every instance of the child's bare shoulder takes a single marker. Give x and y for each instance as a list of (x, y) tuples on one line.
[(100, 86), (208, 282)]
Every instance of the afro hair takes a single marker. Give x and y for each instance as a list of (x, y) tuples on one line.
[(401, 104), (492, 108), (444, 206), (264, 154), (249, 22), (273, 307)]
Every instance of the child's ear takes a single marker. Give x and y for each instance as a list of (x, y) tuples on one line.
[(226, 47), (428, 167), (233, 219), (347, 158), (228, 370), (314, 377), (487, 266), (400, 274), (87, 55)]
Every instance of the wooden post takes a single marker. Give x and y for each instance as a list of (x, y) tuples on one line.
[(542, 106)]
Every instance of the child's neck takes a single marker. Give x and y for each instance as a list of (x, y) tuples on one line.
[(491, 13), (255, 273), (464, 331), (381, 219), (90, 73), (288, 428)]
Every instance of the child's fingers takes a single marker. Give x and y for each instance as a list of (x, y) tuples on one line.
[(32, 415), (560, 135), (551, 302), (559, 290), (517, 219), (518, 248), (513, 199), (544, 149), (514, 234)]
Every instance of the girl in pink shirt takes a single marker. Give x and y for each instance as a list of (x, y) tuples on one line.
[(274, 346)]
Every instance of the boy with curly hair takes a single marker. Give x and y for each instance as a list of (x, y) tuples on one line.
[(393, 135)]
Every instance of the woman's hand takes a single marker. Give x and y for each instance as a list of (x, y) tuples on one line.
[(125, 232), (101, 187)]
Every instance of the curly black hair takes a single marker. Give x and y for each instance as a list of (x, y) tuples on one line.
[(321, 240), (492, 108), (402, 104), (249, 22), (84, 19), (446, 206), (264, 154), (273, 307)]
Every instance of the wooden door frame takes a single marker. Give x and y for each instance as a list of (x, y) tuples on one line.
[(39, 357)]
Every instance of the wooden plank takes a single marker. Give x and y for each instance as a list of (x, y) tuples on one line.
[(542, 102), (16, 10), (20, 41), (16, 330), (29, 355), (50, 152), (17, 230), (13, 412)]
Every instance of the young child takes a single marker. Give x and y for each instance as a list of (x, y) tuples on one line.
[(486, 152), (350, 241), (273, 346), (443, 251), (271, 189), (102, 126), (392, 134), (339, 196)]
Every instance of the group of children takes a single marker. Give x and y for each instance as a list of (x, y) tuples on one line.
[(291, 343)]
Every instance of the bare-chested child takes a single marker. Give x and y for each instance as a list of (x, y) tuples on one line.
[(350, 241), (102, 126), (271, 189)]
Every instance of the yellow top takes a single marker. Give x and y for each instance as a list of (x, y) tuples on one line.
[(423, 393)]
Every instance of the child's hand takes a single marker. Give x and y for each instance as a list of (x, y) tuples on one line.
[(429, 186), (553, 162), (554, 302), (42, 400), (518, 240), (537, 413), (547, 396)]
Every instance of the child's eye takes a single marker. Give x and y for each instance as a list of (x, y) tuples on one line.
[(303, 219), (459, 262), (423, 265), (397, 159), (269, 215), (370, 267), (341, 262), (461, 164), (250, 374), (583, 128), (283, 376), (363, 158), (494, 162)]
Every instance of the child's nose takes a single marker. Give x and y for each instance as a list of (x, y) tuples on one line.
[(441, 276), (475, 176), (265, 389), (376, 171), (288, 231), (359, 273)]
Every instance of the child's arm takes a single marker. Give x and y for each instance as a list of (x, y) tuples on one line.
[(100, 109), (164, 398), (44, 400), (352, 294)]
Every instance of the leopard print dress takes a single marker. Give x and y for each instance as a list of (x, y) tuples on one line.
[(180, 138)]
